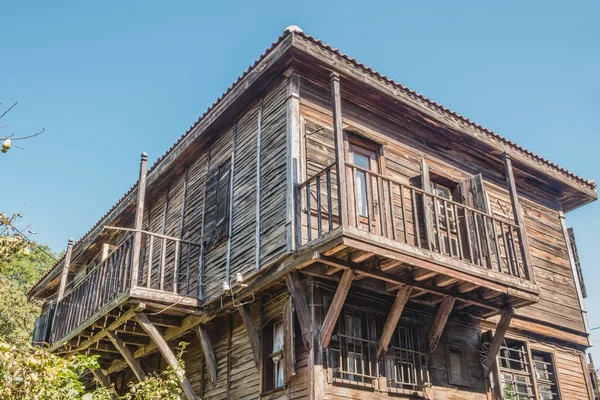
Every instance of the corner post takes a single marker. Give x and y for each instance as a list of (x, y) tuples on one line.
[(338, 138), (518, 216), (293, 158), (65, 271), (139, 218)]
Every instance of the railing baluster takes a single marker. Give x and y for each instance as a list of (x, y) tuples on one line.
[(187, 270), (437, 233), (458, 234), (392, 211), (497, 247), (163, 257), (329, 199), (308, 213), (356, 216), (469, 241), (448, 232), (319, 222), (478, 240), (402, 207), (506, 250), (150, 259), (369, 195), (415, 217), (383, 209), (176, 269), (514, 251), (487, 241)]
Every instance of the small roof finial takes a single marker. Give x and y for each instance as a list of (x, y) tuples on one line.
[(144, 156), (71, 241), (294, 28)]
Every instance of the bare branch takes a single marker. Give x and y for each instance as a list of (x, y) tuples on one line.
[(30, 136), (7, 111)]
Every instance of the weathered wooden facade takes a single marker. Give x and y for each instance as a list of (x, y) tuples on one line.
[(324, 232)]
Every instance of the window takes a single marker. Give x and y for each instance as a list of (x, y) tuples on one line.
[(216, 212), (545, 375), (274, 365), (352, 353), (458, 370), (516, 372), (446, 220), (365, 158)]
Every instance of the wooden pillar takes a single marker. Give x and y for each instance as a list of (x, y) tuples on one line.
[(336, 307), (102, 379), (292, 281), (293, 159), (501, 329), (439, 322), (167, 353), (133, 363), (338, 138), (139, 218), (518, 216), (253, 335), (392, 320), (65, 271)]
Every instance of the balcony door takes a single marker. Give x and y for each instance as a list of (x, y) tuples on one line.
[(366, 196)]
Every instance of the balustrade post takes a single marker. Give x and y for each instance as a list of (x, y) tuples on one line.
[(345, 213), (139, 218), (518, 217), (65, 271)]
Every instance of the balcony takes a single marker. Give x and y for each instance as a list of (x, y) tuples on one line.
[(103, 291), (392, 233)]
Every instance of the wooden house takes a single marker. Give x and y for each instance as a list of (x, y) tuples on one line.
[(325, 232)]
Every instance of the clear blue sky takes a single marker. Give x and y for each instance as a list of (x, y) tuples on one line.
[(111, 79)]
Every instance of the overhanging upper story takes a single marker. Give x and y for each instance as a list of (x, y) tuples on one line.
[(271, 179)]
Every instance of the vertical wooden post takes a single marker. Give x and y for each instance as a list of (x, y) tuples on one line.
[(139, 218), (338, 138), (518, 216), (293, 156), (65, 271)]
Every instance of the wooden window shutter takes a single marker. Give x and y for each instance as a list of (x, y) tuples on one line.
[(289, 353), (473, 194), (576, 259), (223, 197), (427, 204)]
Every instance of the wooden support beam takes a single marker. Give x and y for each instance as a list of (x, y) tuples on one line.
[(292, 281), (360, 256), (139, 218), (126, 353), (336, 307), (167, 353), (423, 275), (466, 287), (444, 280), (338, 138), (440, 322), (208, 354), (518, 216), (392, 320), (102, 379), (65, 271), (501, 329), (252, 332)]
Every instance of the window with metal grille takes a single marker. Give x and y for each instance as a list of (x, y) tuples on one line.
[(216, 211), (545, 375), (406, 360), (353, 353)]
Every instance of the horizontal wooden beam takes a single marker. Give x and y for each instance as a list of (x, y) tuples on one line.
[(336, 307)]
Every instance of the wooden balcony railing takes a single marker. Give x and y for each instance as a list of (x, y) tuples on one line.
[(386, 207), (100, 286), (42, 326)]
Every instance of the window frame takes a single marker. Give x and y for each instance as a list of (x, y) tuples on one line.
[(217, 222)]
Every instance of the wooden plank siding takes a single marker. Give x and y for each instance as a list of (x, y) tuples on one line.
[(403, 151)]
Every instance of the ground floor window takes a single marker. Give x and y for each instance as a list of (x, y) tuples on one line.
[(517, 364)]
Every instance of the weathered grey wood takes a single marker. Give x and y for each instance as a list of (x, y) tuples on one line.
[(338, 135), (257, 238), (253, 335), (392, 319), (139, 219), (293, 156), (208, 354), (336, 307), (289, 350), (437, 328), (518, 216), (126, 353), (428, 208), (101, 378), (65, 271), (294, 286), (498, 338), (167, 353), (231, 209)]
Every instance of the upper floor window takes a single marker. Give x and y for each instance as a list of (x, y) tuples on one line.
[(216, 212), (365, 158)]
